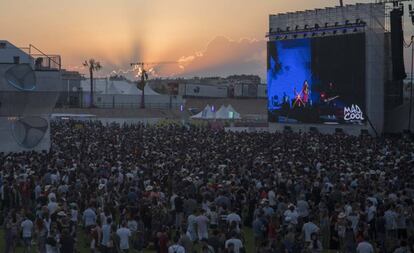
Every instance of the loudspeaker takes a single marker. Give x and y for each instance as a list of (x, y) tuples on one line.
[(397, 45)]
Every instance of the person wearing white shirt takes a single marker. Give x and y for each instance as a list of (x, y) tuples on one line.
[(124, 234), (234, 217), (89, 217), (234, 243), (176, 248), (52, 206), (27, 229), (308, 229), (106, 234), (291, 214), (365, 247)]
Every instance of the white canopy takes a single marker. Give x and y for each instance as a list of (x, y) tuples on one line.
[(149, 91), (232, 113), (222, 113), (112, 89), (225, 112), (206, 113)]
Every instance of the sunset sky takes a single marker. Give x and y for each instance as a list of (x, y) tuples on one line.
[(214, 37)]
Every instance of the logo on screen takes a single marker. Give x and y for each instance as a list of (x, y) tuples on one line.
[(353, 113)]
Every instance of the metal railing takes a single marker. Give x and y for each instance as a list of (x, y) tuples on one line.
[(44, 61)]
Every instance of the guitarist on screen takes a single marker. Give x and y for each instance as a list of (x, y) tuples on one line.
[(330, 95)]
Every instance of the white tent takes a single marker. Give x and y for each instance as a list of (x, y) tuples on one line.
[(206, 113), (149, 91), (112, 90), (133, 90), (222, 113), (99, 85), (225, 112), (232, 113)]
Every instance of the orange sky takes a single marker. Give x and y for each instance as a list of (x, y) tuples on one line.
[(214, 33)]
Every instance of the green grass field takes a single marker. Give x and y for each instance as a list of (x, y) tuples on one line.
[(247, 234)]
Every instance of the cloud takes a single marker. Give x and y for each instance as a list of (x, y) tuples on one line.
[(221, 57), (224, 56)]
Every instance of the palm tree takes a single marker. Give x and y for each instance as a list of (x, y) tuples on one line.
[(141, 85), (93, 66)]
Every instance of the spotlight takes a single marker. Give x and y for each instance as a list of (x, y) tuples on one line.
[(296, 28), (279, 30), (357, 21), (316, 26), (306, 27), (326, 25), (270, 30), (346, 22), (288, 28)]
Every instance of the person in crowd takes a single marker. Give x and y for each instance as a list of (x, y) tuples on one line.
[(176, 247), (124, 235), (27, 231)]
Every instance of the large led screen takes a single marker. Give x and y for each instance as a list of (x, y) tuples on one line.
[(317, 80)]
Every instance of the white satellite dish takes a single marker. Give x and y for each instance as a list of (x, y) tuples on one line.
[(21, 77), (29, 131)]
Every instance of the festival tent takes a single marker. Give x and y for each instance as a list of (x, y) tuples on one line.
[(133, 90), (222, 113), (206, 113), (232, 113), (150, 92), (112, 90)]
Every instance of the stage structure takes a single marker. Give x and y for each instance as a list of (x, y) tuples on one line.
[(326, 69), (30, 83)]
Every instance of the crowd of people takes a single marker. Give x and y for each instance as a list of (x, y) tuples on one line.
[(183, 189)]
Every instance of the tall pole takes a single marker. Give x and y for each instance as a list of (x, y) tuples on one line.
[(341, 3), (411, 84)]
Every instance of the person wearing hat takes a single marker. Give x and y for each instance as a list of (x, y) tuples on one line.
[(291, 214)]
